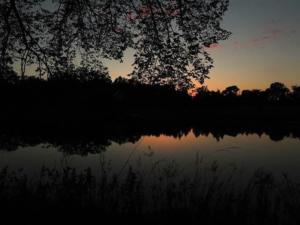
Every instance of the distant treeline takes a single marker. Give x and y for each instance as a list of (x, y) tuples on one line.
[(86, 94)]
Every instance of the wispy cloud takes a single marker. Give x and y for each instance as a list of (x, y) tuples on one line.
[(268, 36), (215, 46)]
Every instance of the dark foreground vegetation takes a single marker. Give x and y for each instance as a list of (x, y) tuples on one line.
[(85, 95), (86, 112), (163, 195)]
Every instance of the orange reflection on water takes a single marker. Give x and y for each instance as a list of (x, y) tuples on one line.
[(171, 143)]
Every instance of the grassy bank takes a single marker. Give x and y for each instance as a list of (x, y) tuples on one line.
[(163, 195)]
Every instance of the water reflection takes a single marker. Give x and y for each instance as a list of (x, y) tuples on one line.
[(248, 146), (97, 139)]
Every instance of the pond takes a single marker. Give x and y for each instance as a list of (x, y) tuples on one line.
[(276, 151)]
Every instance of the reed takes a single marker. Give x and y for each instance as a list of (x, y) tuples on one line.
[(162, 193)]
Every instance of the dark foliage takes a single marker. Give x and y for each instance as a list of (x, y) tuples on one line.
[(84, 111), (164, 196), (170, 38), (85, 94)]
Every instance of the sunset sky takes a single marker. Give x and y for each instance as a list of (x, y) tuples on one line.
[(264, 46)]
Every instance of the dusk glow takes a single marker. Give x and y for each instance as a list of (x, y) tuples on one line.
[(150, 111), (264, 46)]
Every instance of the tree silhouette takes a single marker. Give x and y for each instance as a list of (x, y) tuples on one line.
[(83, 74), (169, 37), (254, 96), (231, 91), (296, 92), (21, 34), (277, 91)]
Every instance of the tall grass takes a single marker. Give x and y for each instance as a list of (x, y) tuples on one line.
[(162, 193)]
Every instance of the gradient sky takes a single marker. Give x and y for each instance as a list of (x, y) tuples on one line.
[(264, 46)]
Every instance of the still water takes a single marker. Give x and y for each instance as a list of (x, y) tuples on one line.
[(247, 152)]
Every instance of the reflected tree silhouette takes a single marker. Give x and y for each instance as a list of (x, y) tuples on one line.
[(98, 139)]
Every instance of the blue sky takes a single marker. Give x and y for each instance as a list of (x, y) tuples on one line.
[(264, 46)]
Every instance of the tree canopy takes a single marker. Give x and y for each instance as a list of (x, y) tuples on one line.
[(170, 37)]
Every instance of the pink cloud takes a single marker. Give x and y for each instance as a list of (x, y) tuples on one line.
[(131, 16), (145, 11), (268, 36), (215, 46), (176, 12)]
